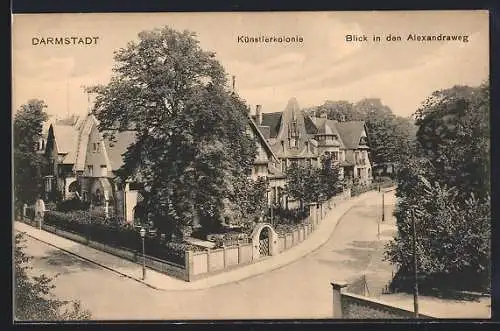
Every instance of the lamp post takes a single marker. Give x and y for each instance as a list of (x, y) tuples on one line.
[(383, 204), (90, 221), (143, 235), (415, 279)]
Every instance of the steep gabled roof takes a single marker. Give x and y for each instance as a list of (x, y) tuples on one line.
[(350, 132), (266, 131), (272, 120), (310, 123), (118, 146), (66, 141), (261, 137), (293, 121), (83, 140)]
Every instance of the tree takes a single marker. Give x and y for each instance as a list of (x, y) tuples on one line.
[(453, 236), (446, 183), (455, 136), (337, 110), (191, 151), (329, 178), (33, 300), (27, 129)]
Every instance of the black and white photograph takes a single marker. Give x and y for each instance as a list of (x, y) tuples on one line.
[(251, 166)]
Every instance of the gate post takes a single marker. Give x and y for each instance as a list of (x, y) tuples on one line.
[(337, 298)]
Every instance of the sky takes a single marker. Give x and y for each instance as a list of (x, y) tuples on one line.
[(324, 66)]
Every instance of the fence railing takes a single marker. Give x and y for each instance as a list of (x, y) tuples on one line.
[(197, 264)]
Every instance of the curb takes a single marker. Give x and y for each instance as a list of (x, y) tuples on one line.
[(91, 261)]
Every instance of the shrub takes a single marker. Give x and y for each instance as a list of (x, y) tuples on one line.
[(291, 216), (113, 232), (71, 205), (282, 229), (51, 206), (228, 239)]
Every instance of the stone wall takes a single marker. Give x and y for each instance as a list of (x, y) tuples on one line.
[(353, 306)]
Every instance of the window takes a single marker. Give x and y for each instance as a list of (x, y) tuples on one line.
[(95, 147), (90, 170), (48, 184), (335, 156), (283, 166), (359, 173)]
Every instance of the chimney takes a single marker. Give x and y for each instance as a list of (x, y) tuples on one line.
[(234, 82), (258, 114)]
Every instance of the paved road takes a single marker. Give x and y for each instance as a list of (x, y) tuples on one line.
[(298, 290)]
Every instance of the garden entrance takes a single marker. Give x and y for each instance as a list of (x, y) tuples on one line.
[(264, 242)]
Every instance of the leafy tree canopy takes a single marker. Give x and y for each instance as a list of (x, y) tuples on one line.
[(191, 151), (27, 130), (454, 135), (445, 183), (308, 183)]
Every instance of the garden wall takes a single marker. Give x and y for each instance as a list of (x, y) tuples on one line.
[(352, 306)]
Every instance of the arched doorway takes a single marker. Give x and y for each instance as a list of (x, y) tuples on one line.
[(264, 242)]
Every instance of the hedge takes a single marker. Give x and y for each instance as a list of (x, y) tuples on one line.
[(228, 238), (111, 232)]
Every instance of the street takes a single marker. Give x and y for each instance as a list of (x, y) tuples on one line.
[(298, 290)]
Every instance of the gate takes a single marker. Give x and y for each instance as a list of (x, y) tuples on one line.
[(264, 243)]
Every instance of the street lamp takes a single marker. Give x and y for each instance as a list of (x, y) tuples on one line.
[(383, 204), (143, 236), (414, 253)]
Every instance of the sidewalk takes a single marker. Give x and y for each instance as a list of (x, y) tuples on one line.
[(164, 282)]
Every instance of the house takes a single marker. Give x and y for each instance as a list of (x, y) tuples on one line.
[(266, 164), (297, 138), (83, 162)]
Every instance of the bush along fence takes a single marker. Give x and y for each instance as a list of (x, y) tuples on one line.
[(181, 260), (353, 306)]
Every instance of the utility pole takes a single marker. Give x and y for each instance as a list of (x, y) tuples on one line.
[(383, 204), (415, 272)]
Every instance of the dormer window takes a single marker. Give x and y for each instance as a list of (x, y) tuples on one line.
[(363, 141)]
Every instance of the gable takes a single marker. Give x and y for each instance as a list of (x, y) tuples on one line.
[(350, 133), (263, 147)]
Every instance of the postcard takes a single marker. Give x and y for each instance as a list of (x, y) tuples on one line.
[(251, 165)]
